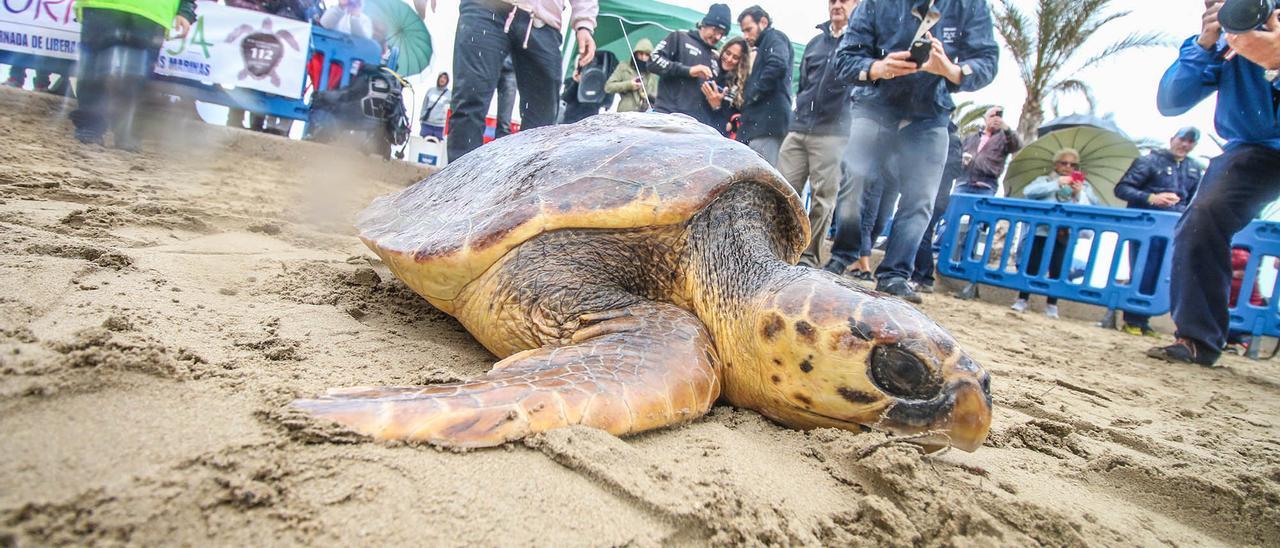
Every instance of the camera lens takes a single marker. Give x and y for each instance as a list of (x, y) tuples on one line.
[(1237, 16)]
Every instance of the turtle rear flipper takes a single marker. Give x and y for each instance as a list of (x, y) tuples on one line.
[(652, 366)]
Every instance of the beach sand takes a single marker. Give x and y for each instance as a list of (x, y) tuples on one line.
[(158, 310)]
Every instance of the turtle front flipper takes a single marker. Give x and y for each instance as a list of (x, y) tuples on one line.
[(644, 367)]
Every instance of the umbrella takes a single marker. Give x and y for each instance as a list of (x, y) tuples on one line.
[(400, 28), (1076, 120), (647, 19), (1104, 157)]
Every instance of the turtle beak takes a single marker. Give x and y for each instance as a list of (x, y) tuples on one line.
[(971, 417), (959, 417)]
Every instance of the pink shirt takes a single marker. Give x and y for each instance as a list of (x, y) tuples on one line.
[(582, 15)]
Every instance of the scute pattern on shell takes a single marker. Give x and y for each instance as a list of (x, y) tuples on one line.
[(612, 170)]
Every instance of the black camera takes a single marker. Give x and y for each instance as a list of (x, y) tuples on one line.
[(1238, 16), (920, 50)]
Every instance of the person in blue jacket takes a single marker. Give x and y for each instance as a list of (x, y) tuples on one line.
[(1164, 180), (904, 107), (1237, 184)]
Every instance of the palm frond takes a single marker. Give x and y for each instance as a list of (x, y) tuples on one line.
[(1132, 41), (1069, 86)]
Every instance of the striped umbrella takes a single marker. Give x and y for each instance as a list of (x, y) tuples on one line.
[(1104, 157)]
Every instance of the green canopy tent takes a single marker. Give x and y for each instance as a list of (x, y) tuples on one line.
[(646, 19)]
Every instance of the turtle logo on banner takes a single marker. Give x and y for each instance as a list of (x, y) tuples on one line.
[(262, 50)]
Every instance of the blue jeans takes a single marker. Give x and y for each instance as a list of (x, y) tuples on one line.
[(924, 255), (878, 201), (971, 188), (1235, 188), (921, 152)]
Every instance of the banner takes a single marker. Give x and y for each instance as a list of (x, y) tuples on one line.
[(40, 27), (240, 48), (228, 46)]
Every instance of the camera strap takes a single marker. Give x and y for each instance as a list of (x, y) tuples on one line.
[(928, 18)]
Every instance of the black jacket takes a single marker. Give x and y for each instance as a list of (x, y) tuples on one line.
[(822, 103), (766, 110), (1159, 172), (671, 61)]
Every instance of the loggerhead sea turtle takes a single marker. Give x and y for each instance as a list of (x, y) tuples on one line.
[(630, 269)]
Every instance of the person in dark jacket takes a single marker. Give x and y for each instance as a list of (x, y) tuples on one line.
[(724, 94), (766, 112), (576, 110), (684, 60), (1164, 180), (1237, 184), (119, 45), (985, 153), (818, 134), (904, 107)]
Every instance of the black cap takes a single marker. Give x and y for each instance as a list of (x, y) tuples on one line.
[(1189, 133), (718, 16)]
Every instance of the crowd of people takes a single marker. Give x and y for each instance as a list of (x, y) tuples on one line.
[(867, 135)]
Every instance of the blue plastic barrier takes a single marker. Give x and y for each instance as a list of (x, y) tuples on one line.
[(975, 219), (1262, 241), (336, 47), (968, 253)]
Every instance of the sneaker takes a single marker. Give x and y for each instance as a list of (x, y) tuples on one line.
[(1139, 331), (1184, 351), (835, 268), (1019, 305), (922, 287), (862, 275), (1051, 311), (899, 288), (89, 137)]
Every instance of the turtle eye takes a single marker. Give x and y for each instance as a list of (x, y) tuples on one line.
[(901, 374)]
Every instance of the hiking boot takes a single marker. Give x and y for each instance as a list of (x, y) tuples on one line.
[(1051, 311), (1139, 331), (1184, 351), (1019, 306), (899, 288)]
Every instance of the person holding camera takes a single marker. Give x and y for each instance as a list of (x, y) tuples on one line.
[(724, 93), (1066, 185), (1241, 62), (684, 60), (818, 133), (1164, 180), (985, 154), (636, 86), (899, 58), (766, 109)]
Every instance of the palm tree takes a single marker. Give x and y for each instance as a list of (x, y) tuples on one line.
[(1045, 47), (968, 117)]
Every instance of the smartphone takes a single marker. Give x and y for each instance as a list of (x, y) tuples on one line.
[(920, 50)]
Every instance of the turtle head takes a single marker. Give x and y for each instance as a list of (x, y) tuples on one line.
[(828, 353)]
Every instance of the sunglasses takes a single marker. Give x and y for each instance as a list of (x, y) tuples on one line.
[(1072, 165)]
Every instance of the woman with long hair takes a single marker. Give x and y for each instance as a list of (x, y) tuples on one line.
[(724, 93)]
